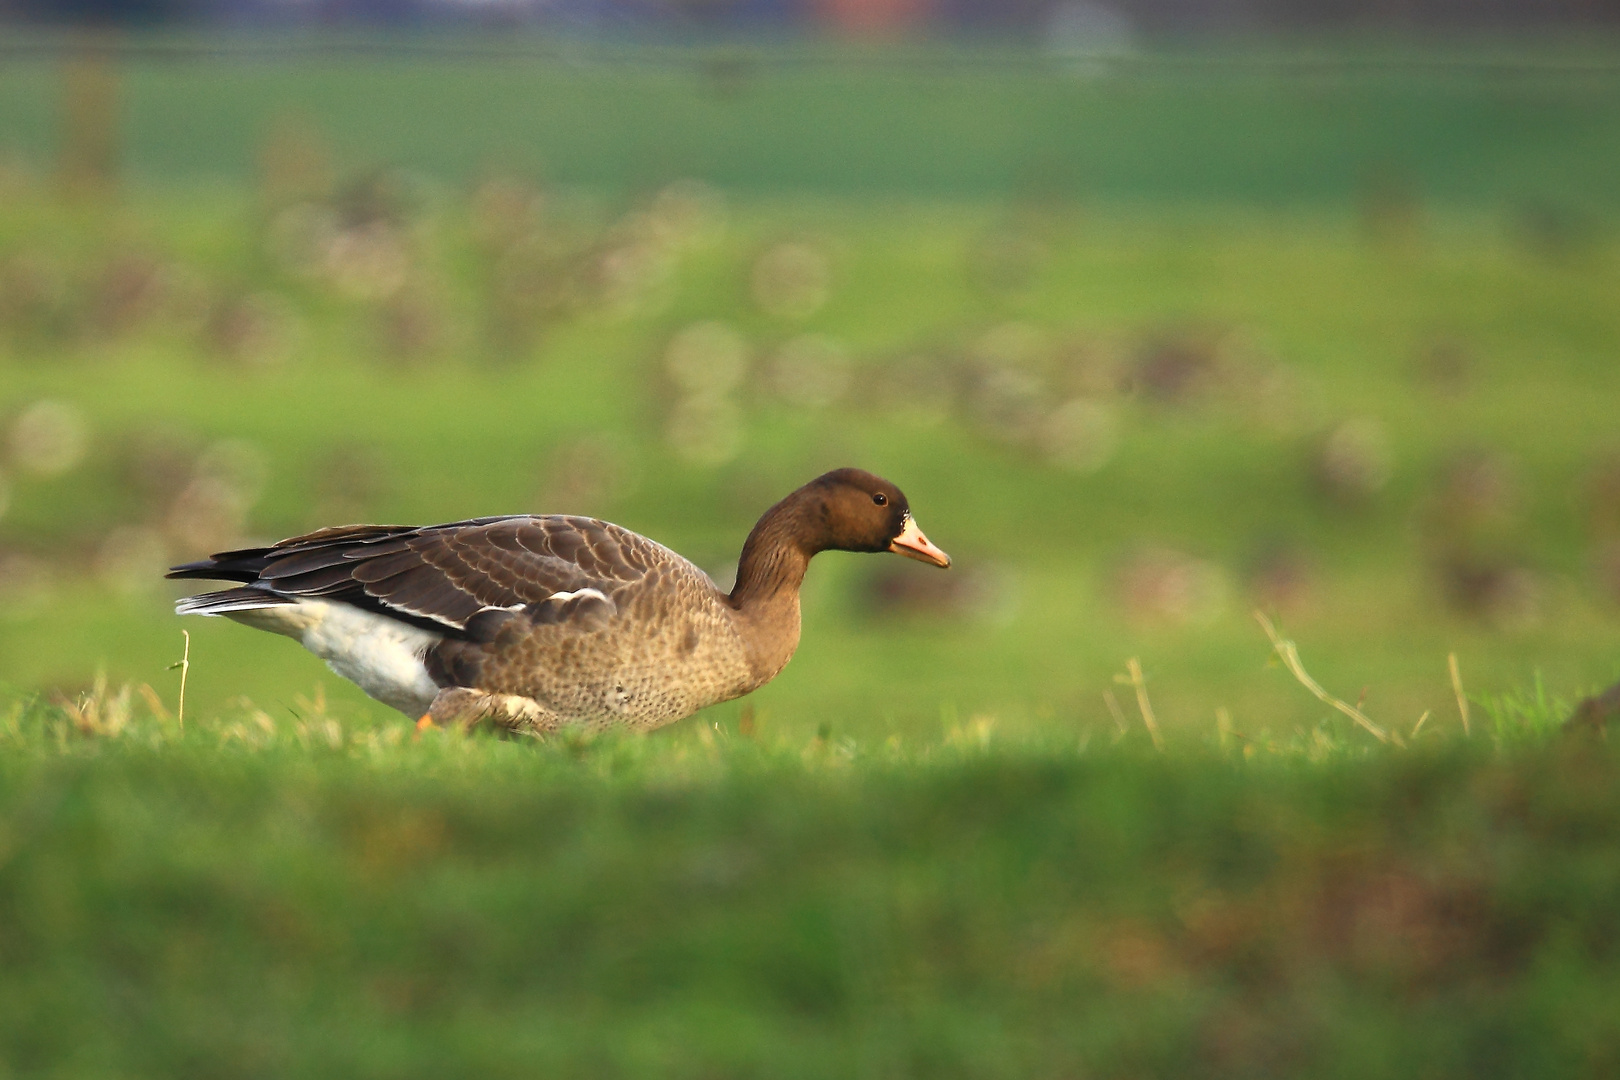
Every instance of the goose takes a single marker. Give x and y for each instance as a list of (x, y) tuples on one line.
[(532, 622)]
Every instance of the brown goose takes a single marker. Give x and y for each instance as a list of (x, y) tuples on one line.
[(537, 621)]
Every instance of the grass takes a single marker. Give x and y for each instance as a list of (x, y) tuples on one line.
[(1206, 503), (322, 896), (1264, 124)]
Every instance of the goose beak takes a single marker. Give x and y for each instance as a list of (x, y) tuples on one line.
[(914, 545)]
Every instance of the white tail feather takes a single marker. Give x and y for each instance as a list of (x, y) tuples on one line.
[(224, 603)]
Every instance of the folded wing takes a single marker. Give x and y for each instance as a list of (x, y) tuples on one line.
[(463, 579)]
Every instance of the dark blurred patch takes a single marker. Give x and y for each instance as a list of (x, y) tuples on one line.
[(1405, 924), (1596, 713), (356, 244), (974, 590), (1606, 570), (294, 162), (1603, 522), (1280, 577), (155, 463), (810, 371), (1445, 366), (129, 290), (35, 302), (26, 582), (1086, 367), (1472, 526), (210, 512), (1389, 206), (131, 559), (728, 74), (1176, 368), (1477, 496), (704, 366), (378, 197), (90, 149), (920, 385), (1554, 231), (591, 475), (1156, 584), (505, 209), (348, 481), (792, 280), (1006, 260), (1502, 593), (412, 324), (1004, 381), (251, 329), (526, 277)]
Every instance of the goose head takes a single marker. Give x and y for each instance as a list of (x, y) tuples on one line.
[(853, 510)]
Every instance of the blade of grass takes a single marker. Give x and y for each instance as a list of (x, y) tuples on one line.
[(1289, 655), (1136, 680), (1417, 727), (184, 664), (1456, 686), (1115, 711)]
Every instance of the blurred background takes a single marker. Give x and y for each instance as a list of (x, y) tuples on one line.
[(1160, 311)]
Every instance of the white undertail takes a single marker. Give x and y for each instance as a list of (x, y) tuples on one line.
[(382, 656)]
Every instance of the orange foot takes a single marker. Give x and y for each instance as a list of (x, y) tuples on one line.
[(424, 724)]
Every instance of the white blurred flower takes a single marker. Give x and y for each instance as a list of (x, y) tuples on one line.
[(368, 262), (685, 210), (1356, 460), (132, 558), (1162, 584), (1018, 344), (25, 585), (239, 465), (1081, 435), (811, 370), (707, 359), (49, 438), (792, 280), (706, 431)]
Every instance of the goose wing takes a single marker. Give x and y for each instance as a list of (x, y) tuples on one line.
[(451, 578)]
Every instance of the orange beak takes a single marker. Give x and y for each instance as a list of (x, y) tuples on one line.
[(914, 545)]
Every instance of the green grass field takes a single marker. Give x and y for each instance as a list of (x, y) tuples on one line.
[(263, 897), (1193, 503), (1311, 335)]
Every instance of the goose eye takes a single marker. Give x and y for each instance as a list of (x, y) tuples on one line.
[(881, 499)]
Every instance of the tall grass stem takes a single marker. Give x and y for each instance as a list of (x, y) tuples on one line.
[(1134, 666), (1456, 686), (1289, 655)]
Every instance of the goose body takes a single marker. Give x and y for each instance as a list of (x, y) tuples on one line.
[(535, 621)]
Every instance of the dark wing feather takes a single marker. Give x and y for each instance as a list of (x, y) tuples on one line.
[(445, 576)]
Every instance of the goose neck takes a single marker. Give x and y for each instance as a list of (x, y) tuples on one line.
[(774, 560)]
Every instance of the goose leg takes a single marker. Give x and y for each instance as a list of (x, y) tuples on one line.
[(463, 707)]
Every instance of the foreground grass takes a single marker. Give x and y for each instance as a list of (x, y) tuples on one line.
[(314, 897)]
